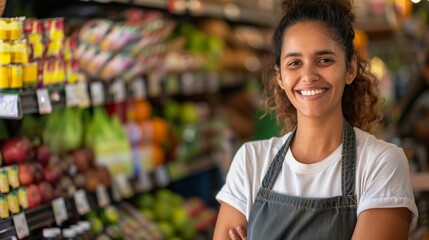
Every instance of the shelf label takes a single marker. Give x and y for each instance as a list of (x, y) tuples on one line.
[(9, 106), (82, 93), (154, 86), (44, 101), (139, 88), (21, 226), (81, 202), (213, 82), (97, 93), (118, 91), (144, 182), (103, 198), (115, 192), (161, 176), (231, 11), (60, 210), (71, 95), (123, 186)]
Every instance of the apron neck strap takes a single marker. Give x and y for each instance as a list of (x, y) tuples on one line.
[(348, 161)]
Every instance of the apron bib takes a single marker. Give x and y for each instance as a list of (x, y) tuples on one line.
[(279, 216)]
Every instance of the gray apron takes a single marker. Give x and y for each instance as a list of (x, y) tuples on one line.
[(279, 216)]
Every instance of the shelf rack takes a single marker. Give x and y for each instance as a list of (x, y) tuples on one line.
[(43, 215), (230, 11)]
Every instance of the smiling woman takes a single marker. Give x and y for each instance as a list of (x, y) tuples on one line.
[(327, 176)]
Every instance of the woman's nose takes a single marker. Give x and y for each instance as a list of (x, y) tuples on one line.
[(309, 73)]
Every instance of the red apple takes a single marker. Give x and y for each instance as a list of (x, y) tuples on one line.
[(41, 154), (52, 173), (16, 149), (26, 173), (34, 196), (46, 191)]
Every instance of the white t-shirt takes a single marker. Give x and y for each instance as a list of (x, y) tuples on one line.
[(382, 175)]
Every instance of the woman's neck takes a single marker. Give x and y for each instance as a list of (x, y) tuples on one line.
[(316, 140)]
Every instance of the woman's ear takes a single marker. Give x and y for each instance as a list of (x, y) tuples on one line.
[(352, 70), (278, 76)]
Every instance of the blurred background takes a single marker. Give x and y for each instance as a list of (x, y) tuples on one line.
[(119, 118)]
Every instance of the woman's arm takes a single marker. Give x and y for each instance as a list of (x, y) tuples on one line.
[(383, 223), (228, 218)]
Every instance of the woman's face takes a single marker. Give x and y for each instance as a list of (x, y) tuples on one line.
[(313, 70)]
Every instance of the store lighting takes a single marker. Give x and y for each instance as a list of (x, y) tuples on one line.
[(416, 1)]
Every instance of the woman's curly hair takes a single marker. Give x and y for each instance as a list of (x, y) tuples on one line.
[(360, 102)]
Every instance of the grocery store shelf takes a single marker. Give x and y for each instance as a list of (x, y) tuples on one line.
[(44, 216), (231, 12), (194, 85), (162, 4)]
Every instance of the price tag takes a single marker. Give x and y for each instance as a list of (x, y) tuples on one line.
[(83, 95), (213, 82), (161, 176), (71, 95), (139, 88), (115, 192), (21, 226), (81, 202), (97, 93), (231, 11), (103, 198), (123, 186), (44, 101), (188, 83), (118, 91), (9, 106), (60, 210), (144, 183), (154, 84)]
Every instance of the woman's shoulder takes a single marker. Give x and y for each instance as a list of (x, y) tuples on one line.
[(371, 147)]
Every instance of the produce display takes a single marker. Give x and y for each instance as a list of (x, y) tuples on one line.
[(35, 53), (111, 145)]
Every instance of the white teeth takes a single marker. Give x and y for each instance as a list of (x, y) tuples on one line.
[(312, 92)]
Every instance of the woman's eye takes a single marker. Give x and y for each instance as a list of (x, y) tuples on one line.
[(293, 63), (325, 60)]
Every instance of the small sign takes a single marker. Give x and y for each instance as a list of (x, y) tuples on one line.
[(139, 88), (43, 100), (118, 91), (123, 186), (83, 95), (81, 202), (60, 210), (97, 93), (144, 183), (9, 106), (161, 176), (103, 198), (154, 84), (115, 192), (71, 95), (21, 226)]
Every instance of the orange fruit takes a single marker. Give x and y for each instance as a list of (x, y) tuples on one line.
[(160, 130), (158, 155), (142, 110)]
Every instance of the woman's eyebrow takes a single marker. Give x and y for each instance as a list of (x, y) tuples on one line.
[(318, 53)]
